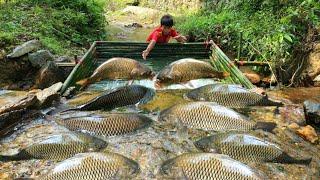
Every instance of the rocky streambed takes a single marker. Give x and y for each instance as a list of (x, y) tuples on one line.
[(151, 146)]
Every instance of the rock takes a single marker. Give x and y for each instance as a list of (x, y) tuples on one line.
[(27, 102), (313, 68), (64, 59), (308, 133), (254, 78), (133, 25), (312, 110), (316, 81), (292, 113), (48, 95), (25, 48), (40, 58), (294, 126), (69, 92), (49, 75)]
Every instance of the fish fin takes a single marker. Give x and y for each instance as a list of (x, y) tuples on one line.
[(266, 126), (71, 109), (285, 158), (84, 83)]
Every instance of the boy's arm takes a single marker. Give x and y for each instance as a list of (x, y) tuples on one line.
[(146, 52), (180, 38)]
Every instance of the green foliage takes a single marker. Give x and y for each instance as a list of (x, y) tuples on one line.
[(61, 25), (271, 28)]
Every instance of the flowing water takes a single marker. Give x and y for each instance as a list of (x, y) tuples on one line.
[(151, 146)]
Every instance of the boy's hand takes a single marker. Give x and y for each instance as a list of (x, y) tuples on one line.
[(180, 38), (145, 53)]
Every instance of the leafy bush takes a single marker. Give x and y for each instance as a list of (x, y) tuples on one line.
[(271, 28), (61, 25)]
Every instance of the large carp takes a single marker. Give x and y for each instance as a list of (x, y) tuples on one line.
[(207, 166), (118, 97), (98, 166), (59, 147), (246, 148), (210, 116), (230, 96), (107, 125), (187, 69), (119, 68)]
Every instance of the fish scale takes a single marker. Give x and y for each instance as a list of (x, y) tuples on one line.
[(230, 96), (107, 125), (207, 166), (246, 148), (94, 166), (207, 116)]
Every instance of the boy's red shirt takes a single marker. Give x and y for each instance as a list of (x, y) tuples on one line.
[(159, 37)]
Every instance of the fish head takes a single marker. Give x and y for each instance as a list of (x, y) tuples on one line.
[(94, 143), (167, 167), (142, 71), (166, 115), (205, 144), (130, 168)]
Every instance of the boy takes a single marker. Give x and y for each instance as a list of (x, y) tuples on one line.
[(162, 34)]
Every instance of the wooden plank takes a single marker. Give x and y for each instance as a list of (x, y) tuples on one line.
[(59, 64), (250, 63)]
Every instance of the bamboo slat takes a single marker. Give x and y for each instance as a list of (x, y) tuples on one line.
[(225, 64)]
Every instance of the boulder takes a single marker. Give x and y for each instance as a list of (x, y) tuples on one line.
[(64, 59), (313, 68), (25, 48), (254, 78), (29, 101), (48, 95), (312, 111), (49, 75), (316, 81), (40, 58), (308, 133)]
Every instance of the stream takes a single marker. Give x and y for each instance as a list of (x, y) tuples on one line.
[(151, 146)]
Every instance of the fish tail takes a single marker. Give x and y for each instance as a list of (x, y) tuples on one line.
[(285, 158), (148, 96), (20, 156), (268, 102), (266, 126)]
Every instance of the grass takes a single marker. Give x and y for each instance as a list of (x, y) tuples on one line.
[(62, 28)]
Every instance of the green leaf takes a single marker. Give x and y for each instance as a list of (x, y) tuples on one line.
[(288, 38)]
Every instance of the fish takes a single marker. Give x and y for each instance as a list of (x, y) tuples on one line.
[(230, 95), (208, 166), (98, 166), (246, 148), (107, 125), (187, 69), (118, 97), (210, 116), (58, 147), (119, 68)]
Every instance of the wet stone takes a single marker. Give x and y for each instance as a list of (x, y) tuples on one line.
[(40, 58), (312, 110), (24, 49)]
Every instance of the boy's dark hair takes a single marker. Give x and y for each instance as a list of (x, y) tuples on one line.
[(167, 20)]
